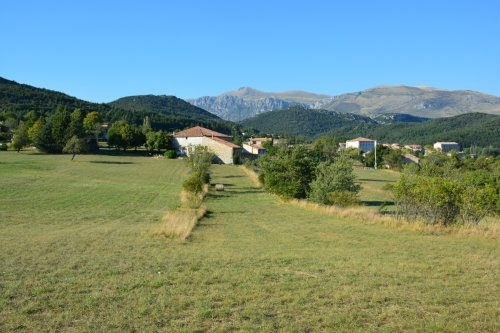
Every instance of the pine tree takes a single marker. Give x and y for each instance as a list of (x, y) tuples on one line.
[(76, 124)]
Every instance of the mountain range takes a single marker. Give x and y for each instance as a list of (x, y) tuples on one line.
[(424, 102)]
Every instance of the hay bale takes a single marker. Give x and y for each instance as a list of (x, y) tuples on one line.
[(219, 187)]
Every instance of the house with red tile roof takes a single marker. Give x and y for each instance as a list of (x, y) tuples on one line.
[(216, 142)]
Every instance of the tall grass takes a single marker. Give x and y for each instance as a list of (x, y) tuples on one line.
[(179, 222), (364, 215), (254, 177)]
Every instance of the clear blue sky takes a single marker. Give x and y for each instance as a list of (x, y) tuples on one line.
[(103, 50)]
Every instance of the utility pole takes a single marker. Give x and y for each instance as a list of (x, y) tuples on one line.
[(375, 154)]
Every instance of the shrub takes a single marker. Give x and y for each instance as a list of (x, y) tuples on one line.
[(236, 158), (335, 177), (170, 154), (343, 199), (289, 172), (193, 184), (3, 146)]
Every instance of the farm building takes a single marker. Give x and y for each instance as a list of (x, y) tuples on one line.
[(254, 149), (223, 150), (447, 146)]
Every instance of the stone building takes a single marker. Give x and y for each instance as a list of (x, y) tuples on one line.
[(447, 146), (223, 150)]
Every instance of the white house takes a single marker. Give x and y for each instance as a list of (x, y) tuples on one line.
[(254, 149), (447, 146), (214, 141), (364, 144)]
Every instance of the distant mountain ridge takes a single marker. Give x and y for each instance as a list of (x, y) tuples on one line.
[(424, 102), (247, 102)]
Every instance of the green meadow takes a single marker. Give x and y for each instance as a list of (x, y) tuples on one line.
[(78, 253)]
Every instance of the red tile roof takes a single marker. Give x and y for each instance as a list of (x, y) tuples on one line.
[(224, 142), (360, 139), (200, 131)]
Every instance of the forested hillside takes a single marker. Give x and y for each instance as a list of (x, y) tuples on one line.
[(299, 121), (167, 105), (468, 129), (16, 100)]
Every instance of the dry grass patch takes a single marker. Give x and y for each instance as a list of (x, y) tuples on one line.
[(370, 217), (179, 222), (254, 177)]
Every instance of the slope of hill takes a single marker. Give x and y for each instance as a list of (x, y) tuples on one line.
[(300, 121), (247, 102), (468, 129), (167, 105), (416, 101), (19, 99), (388, 118)]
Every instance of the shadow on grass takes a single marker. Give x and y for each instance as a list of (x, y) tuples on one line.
[(377, 203), (376, 180), (110, 162)]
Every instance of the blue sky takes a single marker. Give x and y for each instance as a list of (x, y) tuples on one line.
[(103, 50)]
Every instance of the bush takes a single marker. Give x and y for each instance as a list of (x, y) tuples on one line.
[(236, 159), (445, 199), (170, 154), (3, 146), (288, 173), (193, 184), (343, 199), (335, 177)]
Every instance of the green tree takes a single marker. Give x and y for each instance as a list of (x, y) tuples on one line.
[(60, 122), (199, 160), (139, 138), (75, 127), (333, 177), (151, 140), (90, 122), (289, 172), (35, 130), (75, 146), (45, 142), (326, 148), (21, 138)]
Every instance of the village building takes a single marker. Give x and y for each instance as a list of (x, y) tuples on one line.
[(415, 148), (447, 146), (184, 141), (253, 149), (364, 144), (258, 141), (410, 159)]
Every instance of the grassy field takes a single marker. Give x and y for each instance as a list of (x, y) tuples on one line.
[(77, 253), (372, 183)]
